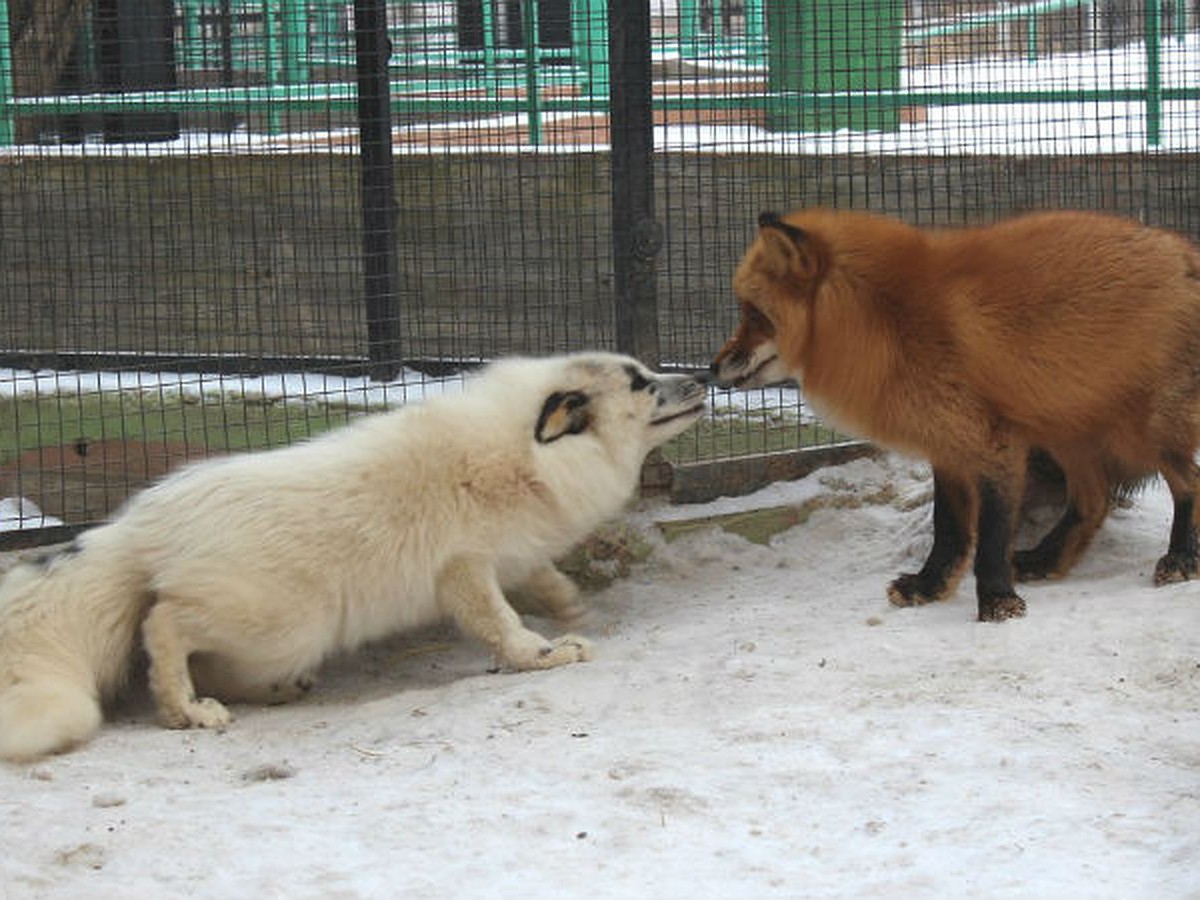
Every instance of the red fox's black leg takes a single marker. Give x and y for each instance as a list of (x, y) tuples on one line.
[(1183, 556), (993, 555), (1089, 496), (952, 503), (1042, 561)]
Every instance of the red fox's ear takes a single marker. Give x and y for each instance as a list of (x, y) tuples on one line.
[(788, 251)]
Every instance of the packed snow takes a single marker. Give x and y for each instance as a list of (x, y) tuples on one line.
[(757, 722)]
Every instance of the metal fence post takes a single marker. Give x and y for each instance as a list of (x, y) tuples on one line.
[(590, 42), (294, 24), (378, 187), (7, 126), (637, 235), (1153, 72), (531, 62), (135, 51)]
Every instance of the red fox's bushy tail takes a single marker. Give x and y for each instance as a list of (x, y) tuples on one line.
[(68, 624)]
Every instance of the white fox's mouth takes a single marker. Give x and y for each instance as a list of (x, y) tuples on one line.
[(690, 411)]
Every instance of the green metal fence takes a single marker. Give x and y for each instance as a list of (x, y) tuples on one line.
[(298, 55), (827, 64)]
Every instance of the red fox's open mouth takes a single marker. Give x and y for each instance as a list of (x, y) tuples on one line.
[(755, 372)]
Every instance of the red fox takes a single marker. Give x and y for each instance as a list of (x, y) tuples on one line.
[(1072, 333)]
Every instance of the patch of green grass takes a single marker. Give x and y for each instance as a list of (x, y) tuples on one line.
[(228, 422), (217, 423), (759, 526), (756, 525)]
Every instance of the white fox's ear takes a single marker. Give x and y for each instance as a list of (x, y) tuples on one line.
[(563, 413)]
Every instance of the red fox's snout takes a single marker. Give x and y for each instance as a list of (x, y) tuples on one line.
[(748, 360)]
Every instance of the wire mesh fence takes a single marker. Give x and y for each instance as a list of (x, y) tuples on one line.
[(227, 225)]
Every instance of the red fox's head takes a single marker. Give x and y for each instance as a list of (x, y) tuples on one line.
[(774, 283)]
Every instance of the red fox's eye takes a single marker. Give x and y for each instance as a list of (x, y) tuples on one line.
[(756, 319)]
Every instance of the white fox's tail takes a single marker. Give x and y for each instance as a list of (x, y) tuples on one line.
[(46, 716), (68, 625)]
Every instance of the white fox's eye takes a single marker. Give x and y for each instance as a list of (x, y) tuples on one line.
[(639, 382)]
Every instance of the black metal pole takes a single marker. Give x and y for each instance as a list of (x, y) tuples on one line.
[(637, 235), (135, 50), (378, 187)]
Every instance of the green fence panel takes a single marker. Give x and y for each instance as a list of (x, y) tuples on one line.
[(589, 36), (6, 79), (834, 46)]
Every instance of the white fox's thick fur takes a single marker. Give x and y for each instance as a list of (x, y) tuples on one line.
[(239, 575)]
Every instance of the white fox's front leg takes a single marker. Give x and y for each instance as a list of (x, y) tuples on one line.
[(554, 593), (468, 590)]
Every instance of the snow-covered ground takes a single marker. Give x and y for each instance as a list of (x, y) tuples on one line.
[(1004, 129), (757, 722)]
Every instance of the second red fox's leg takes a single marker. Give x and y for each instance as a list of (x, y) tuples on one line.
[(953, 513), (1182, 560), (1089, 496)]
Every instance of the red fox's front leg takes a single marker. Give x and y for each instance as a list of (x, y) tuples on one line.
[(998, 503)]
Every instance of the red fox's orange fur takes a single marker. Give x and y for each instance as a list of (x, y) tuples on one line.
[(1075, 333)]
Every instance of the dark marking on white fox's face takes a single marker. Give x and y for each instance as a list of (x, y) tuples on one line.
[(563, 413), (605, 393)]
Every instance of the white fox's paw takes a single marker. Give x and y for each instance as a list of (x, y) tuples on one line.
[(529, 650), (202, 713), (569, 648)]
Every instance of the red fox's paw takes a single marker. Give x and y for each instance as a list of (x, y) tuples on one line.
[(1031, 565), (1000, 608), (1175, 567), (913, 590)]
